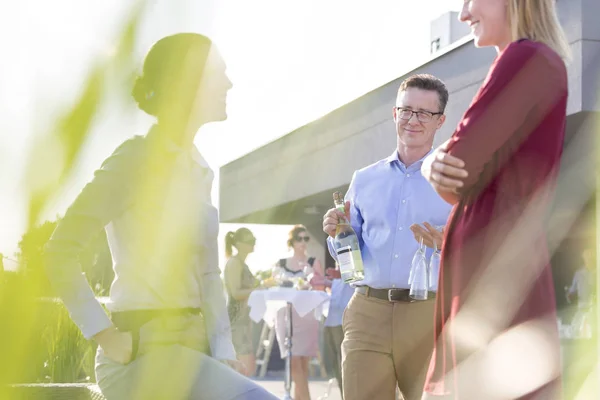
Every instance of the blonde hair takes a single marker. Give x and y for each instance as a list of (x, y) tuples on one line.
[(231, 238), (537, 20)]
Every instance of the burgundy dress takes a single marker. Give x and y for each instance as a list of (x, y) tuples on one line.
[(495, 272)]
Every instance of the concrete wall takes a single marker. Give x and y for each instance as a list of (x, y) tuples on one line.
[(448, 29), (590, 73)]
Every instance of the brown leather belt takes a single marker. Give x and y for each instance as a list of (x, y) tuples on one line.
[(391, 295)]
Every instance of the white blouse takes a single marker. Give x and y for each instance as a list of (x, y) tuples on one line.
[(153, 199)]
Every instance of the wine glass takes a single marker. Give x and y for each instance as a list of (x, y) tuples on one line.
[(434, 268), (309, 273), (278, 275), (419, 286), (419, 255)]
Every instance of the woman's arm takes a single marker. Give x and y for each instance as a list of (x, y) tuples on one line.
[(525, 84), (100, 201), (318, 268), (233, 280), (104, 198), (319, 281)]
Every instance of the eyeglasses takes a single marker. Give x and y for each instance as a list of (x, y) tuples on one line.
[(301, 238), (422, 116)]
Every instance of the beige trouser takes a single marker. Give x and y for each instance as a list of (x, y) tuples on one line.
[(385, 345)]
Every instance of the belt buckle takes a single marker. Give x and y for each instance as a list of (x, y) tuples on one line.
[(391, 299), (408, 299)]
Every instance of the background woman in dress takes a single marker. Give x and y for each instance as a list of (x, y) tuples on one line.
[(305, 344), (152, 195), (240, 282), (495, 321)]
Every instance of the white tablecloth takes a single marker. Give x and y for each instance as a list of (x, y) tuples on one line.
[(264, 304)]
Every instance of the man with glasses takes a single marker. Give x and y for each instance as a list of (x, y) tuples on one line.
[(387, 335)]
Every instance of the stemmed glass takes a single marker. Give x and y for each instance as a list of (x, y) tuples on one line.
[(309, 273), (418, 278), (278, 275), (434, 268), (419, 255)]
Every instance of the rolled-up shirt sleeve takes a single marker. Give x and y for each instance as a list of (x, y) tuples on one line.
[(101, 200)]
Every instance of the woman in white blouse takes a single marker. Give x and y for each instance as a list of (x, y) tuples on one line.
[(168, 334)]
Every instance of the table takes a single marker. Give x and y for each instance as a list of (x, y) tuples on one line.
[(264, 304)]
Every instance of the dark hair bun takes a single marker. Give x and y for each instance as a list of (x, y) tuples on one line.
[(144, 96), (167, 76)]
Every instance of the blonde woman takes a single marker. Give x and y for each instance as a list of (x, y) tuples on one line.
[(240, 282), (496, 331)]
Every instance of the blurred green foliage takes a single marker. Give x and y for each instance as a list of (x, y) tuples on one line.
[(38, 341)]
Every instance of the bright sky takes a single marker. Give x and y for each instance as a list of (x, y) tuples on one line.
[(291, 62)]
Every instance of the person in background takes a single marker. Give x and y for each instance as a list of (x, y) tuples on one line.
[(341, 293), (168, 335), (583, 282), (584, 288), (496, 334), (239, 283), (306, 328)]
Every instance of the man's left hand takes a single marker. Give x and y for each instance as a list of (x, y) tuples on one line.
[(236, 366), (429, 234)]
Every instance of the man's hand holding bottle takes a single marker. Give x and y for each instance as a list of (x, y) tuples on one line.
[(332, 218)]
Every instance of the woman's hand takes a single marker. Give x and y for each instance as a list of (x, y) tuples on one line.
[(267, 283), (118, 346), (445, 173)]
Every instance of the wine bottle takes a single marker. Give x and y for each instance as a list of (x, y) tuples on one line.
[(346, 246)]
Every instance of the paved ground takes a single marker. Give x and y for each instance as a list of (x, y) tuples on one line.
[(318, 388)]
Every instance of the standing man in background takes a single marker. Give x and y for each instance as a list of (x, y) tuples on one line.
[(387, 336)]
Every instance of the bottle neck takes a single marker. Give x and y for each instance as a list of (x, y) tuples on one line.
[(340, 207)]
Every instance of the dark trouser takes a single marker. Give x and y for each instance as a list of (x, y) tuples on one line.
[(334, 335)]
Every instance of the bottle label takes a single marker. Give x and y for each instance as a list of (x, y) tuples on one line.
[(345, 259), (350, 260)]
